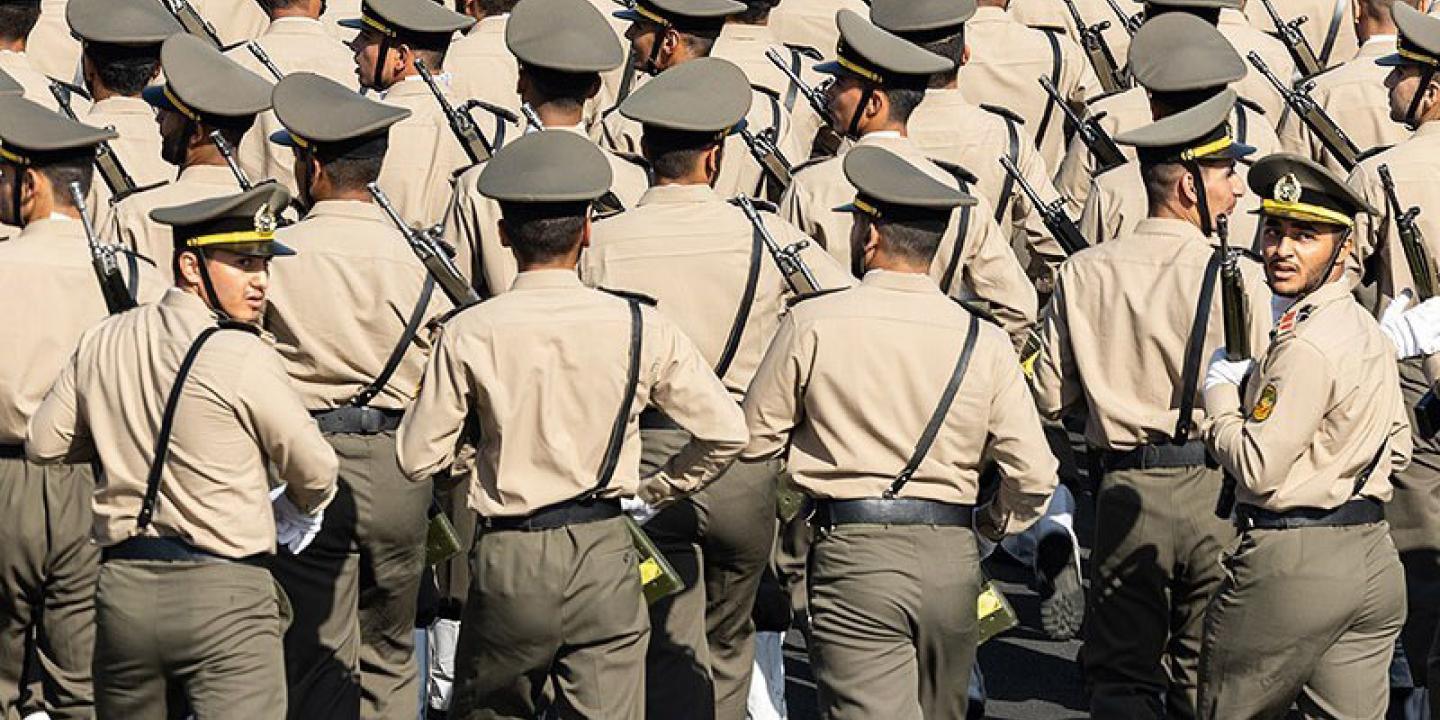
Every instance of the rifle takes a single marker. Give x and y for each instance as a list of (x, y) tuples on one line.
[(107, 163), (1052, 214), (193, 23), (1422, 274), (1102, 147), (771, 160), (605, 205), (1112, 78), (1131, 23), (1336, 142), (1235, 312), (102, 258), (830, 138), (476, 146), (1289, 33), (228, 153), (264, 59), (787, 259), (430, 249)]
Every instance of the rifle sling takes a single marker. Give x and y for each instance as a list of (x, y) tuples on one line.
[(937, 418), (1007, 188), (962, 229), (1054, 80), (397, 353), (1336, 16), (622, 417), (167, 424), (1190, 373), (742, 313)]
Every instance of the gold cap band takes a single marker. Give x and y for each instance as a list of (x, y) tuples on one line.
[(377, 25), (866, 208), (230, 238), (180, 106), (13, 157), (1414, 56), (650, 15), (1305, 212), (863, 72), (1208, 149)]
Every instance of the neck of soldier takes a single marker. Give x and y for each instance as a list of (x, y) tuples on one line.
[(566, 261), (698, 175), (886, 125), (557, 114), (13, 44), (1367, 27), (881, 259), (305, 8), (42, 206), (1172, 209), (204, 153)]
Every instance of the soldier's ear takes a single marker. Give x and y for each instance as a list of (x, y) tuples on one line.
[(585, 233)]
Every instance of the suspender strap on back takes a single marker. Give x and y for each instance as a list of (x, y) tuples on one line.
[(937, 418), (1002, 201), (167, 423), (742, 313), (1336, 17), (397, 354), (961, 230), (1190, 373), (1054, 80), (622, 416)]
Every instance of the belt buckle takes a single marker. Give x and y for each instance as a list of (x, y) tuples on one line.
[(370, 420)]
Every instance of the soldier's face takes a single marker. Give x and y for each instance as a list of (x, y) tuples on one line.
[(366, 49), (643, 37), (1223, 186), (241, 282), (843, 98), (174, 136), (1298, 254), (1403, 82)]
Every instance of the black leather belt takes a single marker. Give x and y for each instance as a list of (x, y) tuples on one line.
[(357, 420), (896, 511), (12, 451), (570, 512), (170, 549), (1146, 457), (1360, 511), (652, 419)]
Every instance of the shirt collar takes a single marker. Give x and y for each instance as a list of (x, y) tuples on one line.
[(1426, 129), (124, 104), (902, 281), (679, 194), (988, 13), (1170, 227), (546, 280), (882, 135), (187, 304), (208, 174), (296, 24), (347, 209)]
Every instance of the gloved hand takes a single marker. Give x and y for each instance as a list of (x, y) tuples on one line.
[(1415, 331), (638, 510), (294, 529), (1225, 372)]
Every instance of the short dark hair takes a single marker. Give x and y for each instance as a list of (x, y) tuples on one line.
[(567, 91), (16, 21), (1159, 179), (915, 238), (701, 41), (63, 170), (543, 231), (270, 6), (674, 153), (756, 11), (348, 172), (497, 7), (903, 101), (122, 69), (951, 47)]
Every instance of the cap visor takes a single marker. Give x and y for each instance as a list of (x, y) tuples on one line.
[(273, 248), (628, 15), (351, 23), (283, 138), (829, 68), (1391, 60), (155, 95), (846, 208), (1236, 151)]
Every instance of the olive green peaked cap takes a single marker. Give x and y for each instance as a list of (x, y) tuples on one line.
[(393, 18), (886, 185), (317, 111), (121, 22), (920, 16), (1298, 188), (682, 13), (202, 84), (703, 95), (563, 35), (1178, 52), (243, 223), (1418, 42), (547, 167), (878, 55), (8, 85), (1199, 133), (30, 133)]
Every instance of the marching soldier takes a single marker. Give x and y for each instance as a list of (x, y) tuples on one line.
[(185, 417), (562, 48), (745, 39), (204, 92), (354, 590), (121, 56), (852, 382), (555, 618), (424, 152), (1046, 15), (879, 81), (48, 566), (811, 23), (479, 59), (699, 257), (17, 21), (1245, 38), (1123, 338), (668, 33), (1311, 440)]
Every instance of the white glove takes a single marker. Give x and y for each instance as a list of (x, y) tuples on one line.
[(1414, 331), (638, 510), (1225, 372), (294, 529)]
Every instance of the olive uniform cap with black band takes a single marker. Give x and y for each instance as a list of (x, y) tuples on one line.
[(128, 23), (557, 168), (243, 223), (205, 86), (425, 21), (31, 134), (889, 187), (684, 15), (922, 20), (1178, 52), (879, 56), (330, 119), (568, 36), (1197, 134), (1298, 188), (706, 96)]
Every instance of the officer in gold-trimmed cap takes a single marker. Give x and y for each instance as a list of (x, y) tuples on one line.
[(1312, 440), (688, 247), (549, 516), (887, 644), (339, 366), (402, 26), (659, 22), (1417, 53), (871, 58)]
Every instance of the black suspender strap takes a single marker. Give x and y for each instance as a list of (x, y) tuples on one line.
[(1054, 80), (742, 313), (963, 227), (1002, 201), (622, 416), (1242, 122), (1336, 17), (133, 263), (397, 354), (792, 91), (1190, 373), (1365, 474), (937, 418), (167, 423)]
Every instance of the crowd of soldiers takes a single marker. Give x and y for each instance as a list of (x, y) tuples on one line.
[(604, 343)]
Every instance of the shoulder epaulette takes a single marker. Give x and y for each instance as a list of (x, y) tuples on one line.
[(797, 299), (1247, 102), (761, 205), (1097, 98), (807, 51), (633, 159), (812, 162), (70, 88), (960, 173), (765, 91), (978, 309), (450, 314), (1372, 152), (1004, 112), (1308, 78), (641, 298), (251, 328)]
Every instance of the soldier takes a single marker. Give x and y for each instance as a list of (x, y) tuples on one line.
[(204, 92), (699, 257), (1045, 15), (350, 651), (185, 613), (555, 620), (1329, 25), (667, 33), (48, 566), (1245, 38), (295, 41), (482, 65), (745, 38), (879, 81), (17, 20), (121, 41), (235, 22), (1312, 441), (991, 132), (1123, 338), (893, 633), (811, 23), (562, 48), (424, 152)]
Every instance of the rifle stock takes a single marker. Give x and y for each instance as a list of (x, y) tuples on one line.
[(264, 59), (1061, 227), (771, 160), (477, 147), (1336, 142), (107, 163), (102, 258), (792, 266), (1097, 50), (1102, 147), (432, 255), (190, 19), (1295, 41)]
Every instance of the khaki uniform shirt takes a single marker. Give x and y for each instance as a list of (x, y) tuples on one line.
[(987, 267), (349, 256), (1046, 13), (1354, 96), (986, 139), (1319, 404), (852, 379), (542, 369), (472, 224), (128, 221), (337, 10), (1245, 38), (1115, 332), (424, 153), (812, 22), (690, 249), (137, 148), (51, 47), (54, 298), (481, 66), (1007, 59), (237, 416), (1321, 16), (745, 45), (234, 21), (294, 44), (35, 83)]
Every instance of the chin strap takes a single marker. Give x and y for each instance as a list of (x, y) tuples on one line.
[(15, 220), (652, 67), (1411, 121), (376, 76), (1207, 227), (209, 285), (853, 130)]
